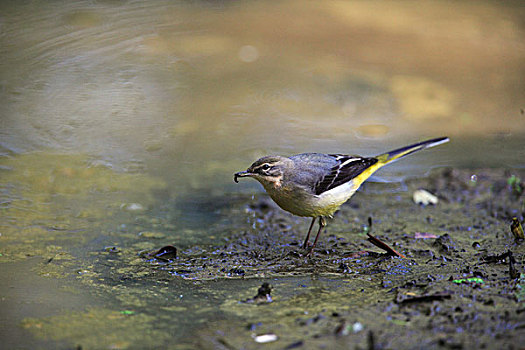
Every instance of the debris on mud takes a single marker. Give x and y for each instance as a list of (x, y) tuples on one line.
[(460, 284), (424, 197), (166, 254), (380, 244), (263, 295), (265, 338), (517, 229), (411, 297), (470, 280), (515, 185)]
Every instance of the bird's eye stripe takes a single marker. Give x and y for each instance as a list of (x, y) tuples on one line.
[(263, 167)]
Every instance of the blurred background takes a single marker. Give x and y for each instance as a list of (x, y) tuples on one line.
[(113, 108), (193, 91)]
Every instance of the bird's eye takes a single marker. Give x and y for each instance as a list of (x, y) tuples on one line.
[(265, 167)]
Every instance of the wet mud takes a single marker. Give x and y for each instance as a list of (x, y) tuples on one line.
[(461, 284)]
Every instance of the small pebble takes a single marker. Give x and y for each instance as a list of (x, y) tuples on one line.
[(132, 207), (265, 338), (112, 249), (357, 327), (424, 197)]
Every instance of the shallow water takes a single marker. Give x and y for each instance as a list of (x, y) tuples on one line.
[(122, 123)]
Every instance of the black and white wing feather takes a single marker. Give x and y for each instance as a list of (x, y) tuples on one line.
[(346, 168)]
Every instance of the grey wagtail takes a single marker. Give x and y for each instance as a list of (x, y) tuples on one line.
[(315, 184)]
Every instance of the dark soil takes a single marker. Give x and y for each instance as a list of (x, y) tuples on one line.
[(462, 284)]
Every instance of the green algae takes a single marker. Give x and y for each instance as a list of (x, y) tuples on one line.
[(469, 280), (515, 184), (94, 327), (51, 198)]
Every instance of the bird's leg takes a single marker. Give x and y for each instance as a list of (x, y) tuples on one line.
[(308, 235), (322, 224)]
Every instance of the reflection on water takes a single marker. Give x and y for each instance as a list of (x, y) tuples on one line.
[(185, 87), (159, 103)]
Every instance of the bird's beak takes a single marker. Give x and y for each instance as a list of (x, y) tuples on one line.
[(241, 174)]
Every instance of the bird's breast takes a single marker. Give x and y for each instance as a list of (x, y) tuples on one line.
[(300, 202), (293, 200)]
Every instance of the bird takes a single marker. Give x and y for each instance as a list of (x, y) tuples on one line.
[(316, 184)]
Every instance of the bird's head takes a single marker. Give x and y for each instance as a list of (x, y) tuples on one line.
[(268, 170)]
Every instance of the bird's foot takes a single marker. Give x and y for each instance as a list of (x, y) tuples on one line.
[(309, 251), (309, 248)]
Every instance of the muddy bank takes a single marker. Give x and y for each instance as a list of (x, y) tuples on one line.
[(461, 285)]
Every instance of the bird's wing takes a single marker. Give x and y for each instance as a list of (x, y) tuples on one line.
[(345, 169)]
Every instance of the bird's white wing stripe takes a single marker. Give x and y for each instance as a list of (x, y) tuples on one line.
[(341, 166), (335, 177), (348, 161)]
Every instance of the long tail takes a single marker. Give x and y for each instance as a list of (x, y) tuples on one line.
[(385, 158), (391, 156)]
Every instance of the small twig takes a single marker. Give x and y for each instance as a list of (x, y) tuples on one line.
[(495, 258), (380, 244), (512, 269), (405, 299)]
